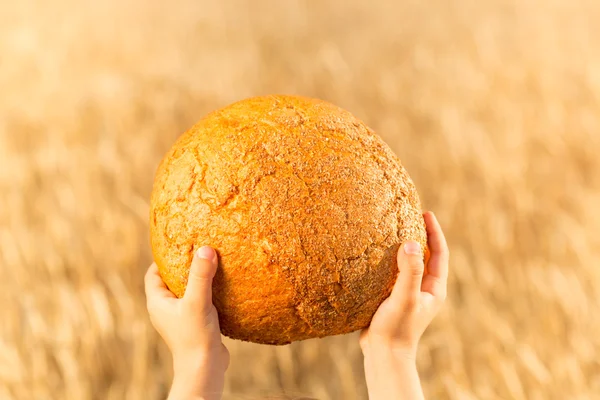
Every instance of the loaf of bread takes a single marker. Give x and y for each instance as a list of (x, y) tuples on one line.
[(306, 207)]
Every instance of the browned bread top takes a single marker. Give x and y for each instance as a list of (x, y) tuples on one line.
[(306, 207)]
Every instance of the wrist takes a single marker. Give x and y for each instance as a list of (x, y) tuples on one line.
[(383, 350), (386, 362), (187, 361)]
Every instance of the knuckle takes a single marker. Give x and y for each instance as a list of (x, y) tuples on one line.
[(445, 252), (198, 277), (188, 306), (193, 274), (410, 304), (417, 267)]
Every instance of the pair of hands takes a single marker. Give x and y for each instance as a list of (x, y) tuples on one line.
[(190, 325)]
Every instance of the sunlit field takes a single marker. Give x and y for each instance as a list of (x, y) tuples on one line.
[(492, 106)]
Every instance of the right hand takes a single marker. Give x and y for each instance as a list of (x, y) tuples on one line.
[(402, 318)]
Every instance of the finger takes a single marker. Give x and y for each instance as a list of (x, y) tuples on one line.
[(202, 272), (154, 285), (436, 241), (407, 288), (435, 281)]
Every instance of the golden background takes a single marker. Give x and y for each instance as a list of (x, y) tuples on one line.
[(492, 106)]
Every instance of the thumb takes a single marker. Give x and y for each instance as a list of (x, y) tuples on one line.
[(406, 291), (202, 272)]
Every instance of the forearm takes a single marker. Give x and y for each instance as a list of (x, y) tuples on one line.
[(391, 376)]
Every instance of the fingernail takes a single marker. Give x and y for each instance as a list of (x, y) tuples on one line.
[(412, 248), (206, 252)]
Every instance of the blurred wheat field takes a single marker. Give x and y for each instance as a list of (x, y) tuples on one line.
[(493, 108)]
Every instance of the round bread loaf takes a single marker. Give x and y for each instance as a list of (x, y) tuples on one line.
[(306, 207)]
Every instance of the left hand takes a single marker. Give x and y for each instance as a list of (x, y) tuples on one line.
[(190, 328)]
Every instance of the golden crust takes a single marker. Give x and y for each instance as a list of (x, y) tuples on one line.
[(306, 207)]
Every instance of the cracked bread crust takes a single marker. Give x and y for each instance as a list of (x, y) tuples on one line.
[(306, 207)]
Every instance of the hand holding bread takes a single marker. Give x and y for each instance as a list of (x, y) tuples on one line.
[(190, 328), (306, 207), (283, 218)]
